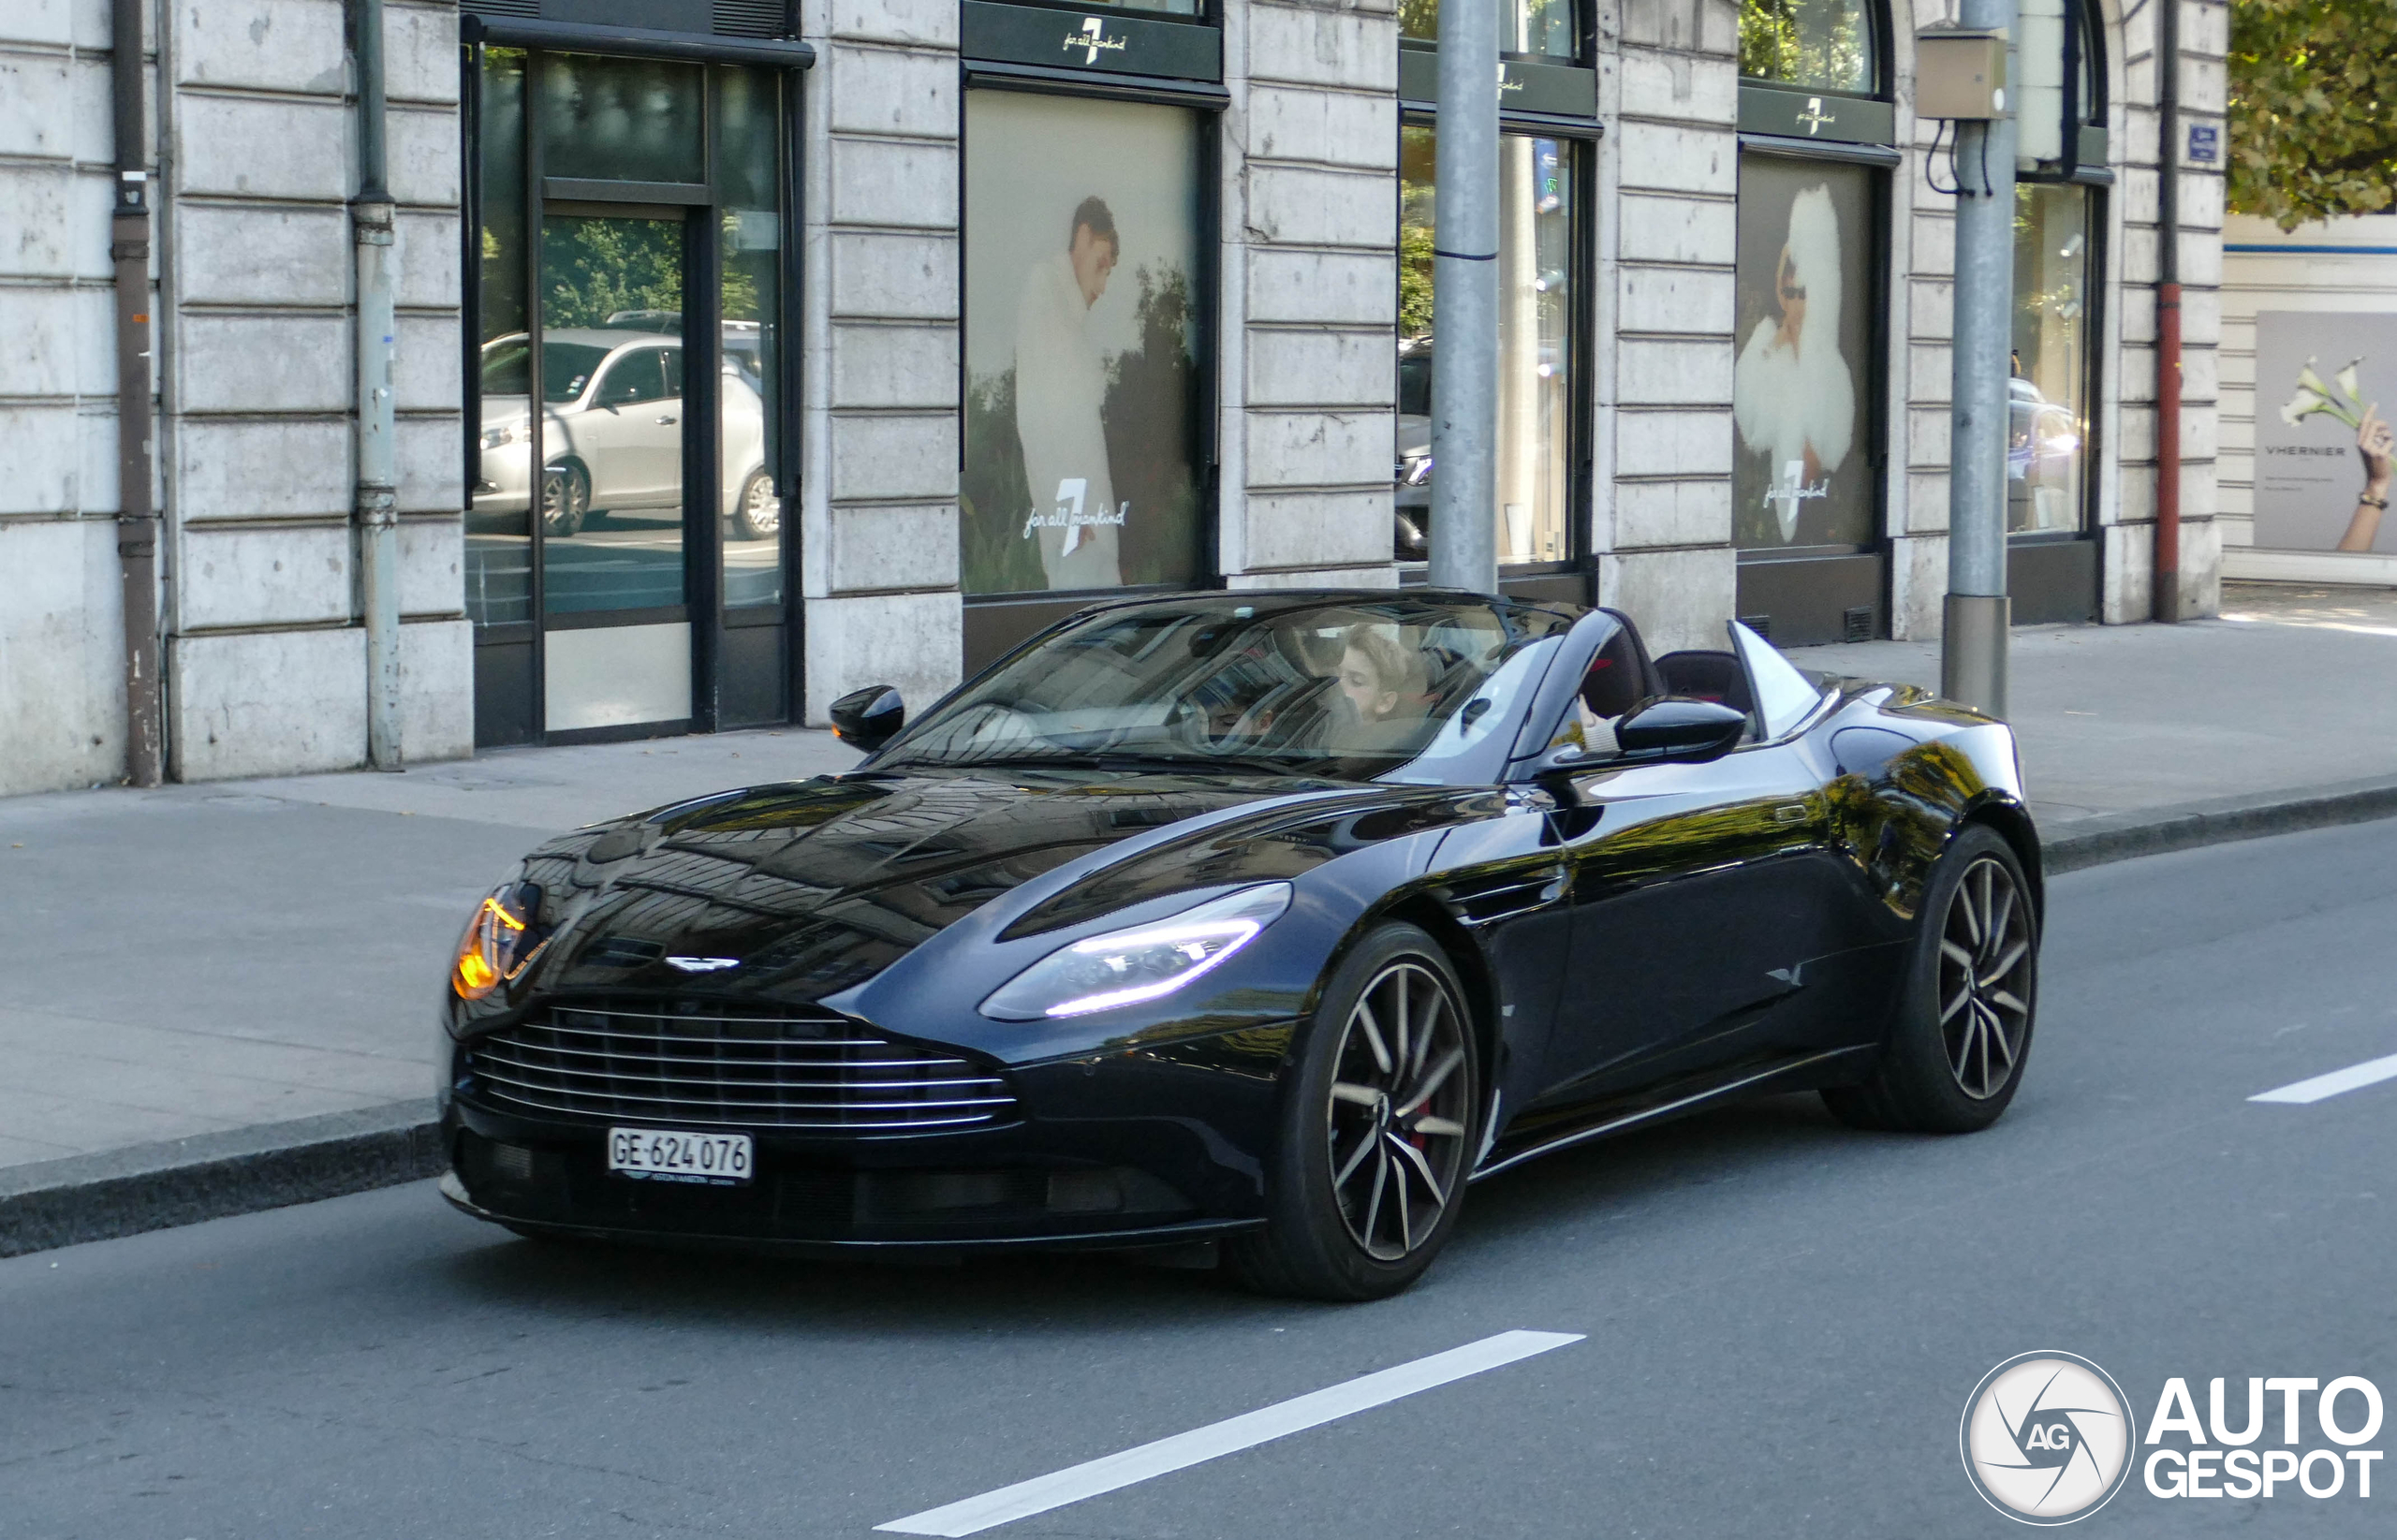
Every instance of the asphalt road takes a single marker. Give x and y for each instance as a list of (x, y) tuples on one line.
[(1783, 1318)]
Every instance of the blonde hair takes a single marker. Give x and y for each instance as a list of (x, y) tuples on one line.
[(1396, 668)]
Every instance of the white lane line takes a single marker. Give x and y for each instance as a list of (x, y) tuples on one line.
[(2353, 1078), (1229, 1436)]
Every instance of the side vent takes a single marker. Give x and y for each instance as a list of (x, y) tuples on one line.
[(1858, 624), (1760, 625), (754, 19)]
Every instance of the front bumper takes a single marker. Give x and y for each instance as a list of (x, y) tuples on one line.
[(1131, 1147)]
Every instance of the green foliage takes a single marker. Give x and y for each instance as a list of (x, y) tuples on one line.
[(993, 498), (1826, 44), (2313, 107), (1414, 280), (592, 268)]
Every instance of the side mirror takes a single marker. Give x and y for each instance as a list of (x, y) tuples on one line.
[(869, 718), (1676, 727)]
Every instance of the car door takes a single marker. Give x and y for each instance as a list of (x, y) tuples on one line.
[(1699, 891), (626, 430)]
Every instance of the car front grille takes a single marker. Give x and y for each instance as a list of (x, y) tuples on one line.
[(712, 1064)]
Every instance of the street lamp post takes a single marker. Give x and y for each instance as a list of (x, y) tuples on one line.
[(1464, 301)]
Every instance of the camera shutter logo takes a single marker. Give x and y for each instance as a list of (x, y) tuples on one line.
[(2047, 1438)]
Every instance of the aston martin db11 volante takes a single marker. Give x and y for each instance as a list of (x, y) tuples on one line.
[(1270, 921)]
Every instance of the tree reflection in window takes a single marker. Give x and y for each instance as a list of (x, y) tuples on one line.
[(1821, 45)]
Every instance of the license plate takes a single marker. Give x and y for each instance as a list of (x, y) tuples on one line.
[(670, 1154)]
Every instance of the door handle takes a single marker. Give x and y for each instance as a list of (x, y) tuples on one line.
[(1789, 813), (670, 417)]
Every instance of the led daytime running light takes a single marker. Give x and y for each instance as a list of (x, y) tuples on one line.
[(1140, 963)]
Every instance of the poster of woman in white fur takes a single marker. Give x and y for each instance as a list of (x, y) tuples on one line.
[(1793, 394)]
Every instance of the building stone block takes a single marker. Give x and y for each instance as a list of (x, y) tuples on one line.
[(268, 703), (424, 162), (265, 363), (897, 458), (1931, 372), (421, 52), (276, 148), (1307, 45), (432, 566), (1303, 206), (436, 691), (1672, 444), (54, 223), (1680, 159), (1383, 576), (1678, 598), (1684, 299), (55, 108), (1677, 229), (57, 342), (1933, 244), (893, 546), (425, 375), (1329, 289), (1930, 308), (1927, 429), (1662, 372), (55, 21), (1918, 588), (915, 643), (1318, 449), (62, 653), (1665, 23), (44, 464), (881, 182), (431, 452), (894, 366), (1332, 128), (931, 24), (1320, 367), (900, 277), (269, 45), (1671, 513), (264, 577), (260, 469), (2127, 572), (1926, 502), (272, 255), (1315, 530), (883, 91), (427, 248), (1679, 86)]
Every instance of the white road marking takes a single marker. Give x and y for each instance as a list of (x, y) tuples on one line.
[(2371, 1072), (1233, 1434)]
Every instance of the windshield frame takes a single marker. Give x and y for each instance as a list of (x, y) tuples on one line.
[(1528, 639)]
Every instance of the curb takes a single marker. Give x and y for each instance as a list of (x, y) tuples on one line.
[(215, 1176), (211, 1176), (2153, 831)]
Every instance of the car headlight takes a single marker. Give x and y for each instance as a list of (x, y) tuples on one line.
[(500, 940), (1141, 962), (496, 438)]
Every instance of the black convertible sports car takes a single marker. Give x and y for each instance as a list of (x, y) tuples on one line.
[(1271, 919)]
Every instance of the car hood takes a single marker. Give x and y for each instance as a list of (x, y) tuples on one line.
[(799, 890)]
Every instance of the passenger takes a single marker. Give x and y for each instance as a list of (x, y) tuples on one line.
[(1382, 680)]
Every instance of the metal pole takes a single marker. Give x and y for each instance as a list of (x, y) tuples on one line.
[(377, 504), (1464, 302), (1972, 665), (136, 520), (2167, 587)]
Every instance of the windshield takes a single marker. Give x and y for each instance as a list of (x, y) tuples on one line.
[(1418, 689), (566, 367)]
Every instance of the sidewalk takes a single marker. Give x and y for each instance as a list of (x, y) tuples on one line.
[(213, 973)]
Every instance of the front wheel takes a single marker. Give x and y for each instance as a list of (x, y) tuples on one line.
[(758, 514), (565, 500), (1377, 1129), (1954, 1054)]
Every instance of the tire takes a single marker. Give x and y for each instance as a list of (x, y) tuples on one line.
[(565, 500), (1356, 1135), (1955, 1052), (758, 514)]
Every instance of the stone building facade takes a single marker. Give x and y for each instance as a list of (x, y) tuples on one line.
[(895, 492)]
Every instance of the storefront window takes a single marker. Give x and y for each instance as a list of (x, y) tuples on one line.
[(2047, 430), (1819, 45), (749, 180), (499, 540), (1802, 476), (1535, 352), (620, 119), (1541, 28), (1084, 331)]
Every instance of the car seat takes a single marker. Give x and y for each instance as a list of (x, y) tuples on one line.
[(1707, 676)]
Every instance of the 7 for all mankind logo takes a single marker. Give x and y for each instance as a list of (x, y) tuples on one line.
[(1093, 40)]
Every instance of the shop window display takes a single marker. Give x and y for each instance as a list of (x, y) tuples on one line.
[(2048, 416)]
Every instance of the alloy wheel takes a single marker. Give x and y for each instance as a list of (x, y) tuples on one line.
[(1984, 979), (562, 500), (761, 511), (1396, 1118)]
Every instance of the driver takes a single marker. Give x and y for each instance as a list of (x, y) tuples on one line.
[(1383, 683)]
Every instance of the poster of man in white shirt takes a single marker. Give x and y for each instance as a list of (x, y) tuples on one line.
[(1059, 393)]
